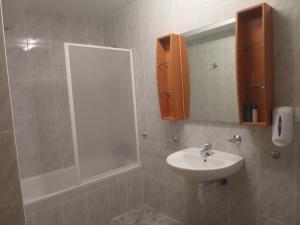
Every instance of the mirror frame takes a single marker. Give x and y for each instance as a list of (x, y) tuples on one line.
[(211, 29)]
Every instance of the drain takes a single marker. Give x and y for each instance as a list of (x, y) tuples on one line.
[(223, 182)]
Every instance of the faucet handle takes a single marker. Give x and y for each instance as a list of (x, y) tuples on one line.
[(236, 139), (207, 146)]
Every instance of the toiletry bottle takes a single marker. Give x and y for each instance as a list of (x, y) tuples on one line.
[(248, 112), (254, 113)]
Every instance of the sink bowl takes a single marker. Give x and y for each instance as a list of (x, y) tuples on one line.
[(191, 164)]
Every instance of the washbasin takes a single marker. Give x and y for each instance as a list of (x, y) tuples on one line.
[(192, 165)]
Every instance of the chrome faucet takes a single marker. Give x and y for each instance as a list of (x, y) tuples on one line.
[(206, 150), (236, 139)]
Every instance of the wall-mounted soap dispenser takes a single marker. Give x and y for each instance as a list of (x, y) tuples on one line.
[(283, 121)]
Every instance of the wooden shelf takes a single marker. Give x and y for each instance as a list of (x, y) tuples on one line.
[(252, 87), (262, 124), (251, 46), (254, 50), (173, 77)]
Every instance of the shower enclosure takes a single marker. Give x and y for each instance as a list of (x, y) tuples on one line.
[(103, 112), (100, 83)]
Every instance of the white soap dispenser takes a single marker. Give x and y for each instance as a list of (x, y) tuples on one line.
[(283, 121)]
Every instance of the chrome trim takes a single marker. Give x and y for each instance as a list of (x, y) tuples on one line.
[(225, 25)]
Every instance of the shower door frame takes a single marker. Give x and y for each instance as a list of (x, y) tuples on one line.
[(72, 114)]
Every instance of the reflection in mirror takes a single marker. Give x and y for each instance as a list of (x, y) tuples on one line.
[(213, 75)]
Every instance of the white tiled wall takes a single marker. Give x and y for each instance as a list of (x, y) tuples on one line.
[(265, 191), (43, 133), (39, 88), (11, 205)]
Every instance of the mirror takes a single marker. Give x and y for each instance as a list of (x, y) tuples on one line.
[(213, 94)]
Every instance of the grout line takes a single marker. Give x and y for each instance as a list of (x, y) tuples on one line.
[(6, 132), (296, 192), (272, 220), (41, 114), (143, 185), (258, 174), (38, 79)]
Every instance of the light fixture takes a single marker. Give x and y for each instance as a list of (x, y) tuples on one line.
[(29, 44)]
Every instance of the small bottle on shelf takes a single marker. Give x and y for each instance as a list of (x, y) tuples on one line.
[(248, 112), (254, 113)]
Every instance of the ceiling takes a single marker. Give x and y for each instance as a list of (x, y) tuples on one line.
[(99, 9)]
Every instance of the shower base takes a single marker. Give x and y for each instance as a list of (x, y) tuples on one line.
[(144, 215)]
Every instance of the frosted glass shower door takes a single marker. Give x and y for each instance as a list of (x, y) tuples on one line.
[(102, 105)]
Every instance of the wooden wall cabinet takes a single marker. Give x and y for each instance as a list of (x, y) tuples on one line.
[(173, 77), (254, 51)]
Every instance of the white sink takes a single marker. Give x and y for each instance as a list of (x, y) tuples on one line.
[(192, 165)]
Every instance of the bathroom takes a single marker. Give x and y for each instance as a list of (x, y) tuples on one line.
[(96, 152)]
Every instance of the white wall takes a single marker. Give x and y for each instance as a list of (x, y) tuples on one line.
[(13, 11), (266, 191), (39, 87)]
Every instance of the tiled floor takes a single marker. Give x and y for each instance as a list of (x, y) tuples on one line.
[(144, 215)]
